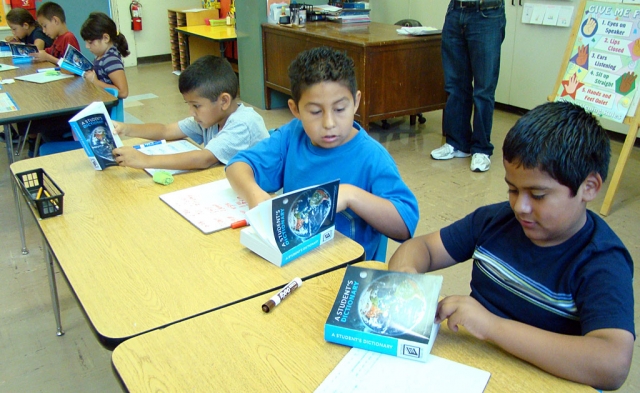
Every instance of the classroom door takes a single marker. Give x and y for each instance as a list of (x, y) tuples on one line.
[(76, 12)]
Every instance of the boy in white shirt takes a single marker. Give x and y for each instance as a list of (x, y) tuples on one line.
[(218, 120)]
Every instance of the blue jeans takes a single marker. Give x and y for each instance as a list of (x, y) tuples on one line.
[(471, 41)]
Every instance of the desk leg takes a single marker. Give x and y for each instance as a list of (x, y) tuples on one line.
[(52, 285), (16, 197)]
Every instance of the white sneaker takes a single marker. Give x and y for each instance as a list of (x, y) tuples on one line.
[(447, 152), (480, 162)]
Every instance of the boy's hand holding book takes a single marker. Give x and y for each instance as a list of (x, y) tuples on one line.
[(132, 158), (119, 128), (468, 312), (41, 55)]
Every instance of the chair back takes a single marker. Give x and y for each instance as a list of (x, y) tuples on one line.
[(408, 23), (58, 147), (381, 252), (117, 112)]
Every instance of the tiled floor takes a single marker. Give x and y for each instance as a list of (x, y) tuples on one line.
[(33, 359)]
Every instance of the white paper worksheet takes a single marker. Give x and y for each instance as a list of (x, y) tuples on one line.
[(210, 206), (367, 371)]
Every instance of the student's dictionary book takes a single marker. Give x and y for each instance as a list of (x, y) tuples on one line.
[(385, 311), (74, 61), (21, 53), (93, 128), (292, 224)]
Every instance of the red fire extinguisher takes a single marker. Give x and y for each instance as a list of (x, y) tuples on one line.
[(136, 15)]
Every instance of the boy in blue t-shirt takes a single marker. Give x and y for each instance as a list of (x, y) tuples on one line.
[(551, 282), (323, 143)]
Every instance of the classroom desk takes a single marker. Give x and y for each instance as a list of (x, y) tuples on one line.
[(136, 265), (36, 100), (203, 40), (240, 348), (397, 75)]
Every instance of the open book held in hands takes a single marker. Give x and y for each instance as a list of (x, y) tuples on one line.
[(74, 61), (93, 128), (21, 53), (385, 311), (292, 224)]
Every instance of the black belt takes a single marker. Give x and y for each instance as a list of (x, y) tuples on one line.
[(477, 4), (466, 4)]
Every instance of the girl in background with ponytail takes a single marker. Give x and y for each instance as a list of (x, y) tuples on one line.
[(109, 46)]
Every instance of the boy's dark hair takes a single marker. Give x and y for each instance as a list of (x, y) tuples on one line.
[(562, 139), (98, 24), (20, 16), (209, 76), (321, 64), (50, 9)]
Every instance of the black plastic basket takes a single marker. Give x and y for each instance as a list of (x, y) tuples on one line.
[(36, 183)]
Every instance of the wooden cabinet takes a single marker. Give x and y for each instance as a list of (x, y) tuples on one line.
[(178, 40), (397, 75)]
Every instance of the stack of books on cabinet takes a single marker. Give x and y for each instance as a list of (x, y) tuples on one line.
[(178, 40), (350, 13)]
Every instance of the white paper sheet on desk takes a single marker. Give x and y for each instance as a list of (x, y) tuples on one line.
[(210, 206), (367, 371), (418, 30), (7, 67), (43, 77), (163, 147)]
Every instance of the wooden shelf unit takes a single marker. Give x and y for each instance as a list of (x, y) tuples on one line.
[(178, 40)]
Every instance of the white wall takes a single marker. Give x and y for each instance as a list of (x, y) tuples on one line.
[(153, 40)]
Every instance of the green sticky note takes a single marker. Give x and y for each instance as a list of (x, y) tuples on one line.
[(163, 177)]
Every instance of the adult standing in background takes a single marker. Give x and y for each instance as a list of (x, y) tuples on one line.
[(471, 39)]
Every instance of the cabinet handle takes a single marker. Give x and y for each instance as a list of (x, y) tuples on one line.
[(513, 2)]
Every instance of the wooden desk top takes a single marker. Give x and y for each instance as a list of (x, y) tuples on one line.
[(136, 265), (240, 348), (37, 100), (360, 34), (214, 33)]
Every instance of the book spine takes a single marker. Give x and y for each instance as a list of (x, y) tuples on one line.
[(308, 245), (22, 60), (358, 12), (68, 67), (359, 6), (75, 128), (359, 339), (374, 342)]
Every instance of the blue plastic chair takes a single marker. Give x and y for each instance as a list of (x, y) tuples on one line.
[(58, 147), (381, 252), (117, 114)]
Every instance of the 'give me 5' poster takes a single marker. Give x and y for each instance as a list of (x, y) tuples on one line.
[(603, 66)]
